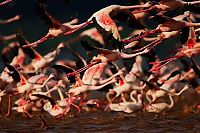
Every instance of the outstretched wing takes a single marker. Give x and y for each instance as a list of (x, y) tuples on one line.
[(49, 20), (89, 47), (129, 18), (30, 51)]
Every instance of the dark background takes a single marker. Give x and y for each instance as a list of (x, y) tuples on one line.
[(34, 28)]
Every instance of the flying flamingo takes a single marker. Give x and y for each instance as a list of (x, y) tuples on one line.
[(93, 75), (170, 5), (102, 17), (38, 61), (106, 55), (84, 88), (183, 52), (106, 25), (23, 85), (56, 28), (167, 25)]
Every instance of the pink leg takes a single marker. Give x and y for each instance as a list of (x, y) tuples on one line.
[(77, 107), (154, 43), (68, 106), (9, 100), (81, 69), (109, 103), (5, 2), (34, 44), (145, 10), (157, 65), (137, 37), (78, 28)]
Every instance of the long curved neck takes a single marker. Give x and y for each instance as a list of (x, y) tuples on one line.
[(188, 24), (135, 87), (139, 99), (110, 78), (184, 89), (40, 86), (100, 86), (132, 98), (133, 7), (171, 102)]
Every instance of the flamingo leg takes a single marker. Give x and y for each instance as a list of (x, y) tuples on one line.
[(9, 106), (109, 103), (5, 2), (34, 44), (140, 36)]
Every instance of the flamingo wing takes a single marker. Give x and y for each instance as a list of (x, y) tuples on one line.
[(14, 73), (184, 35), (13, 51), (195, 67), (62, 68), (49, 20), (22, 42), (129, 18), (93, 72), (89, 47), (51, 100)]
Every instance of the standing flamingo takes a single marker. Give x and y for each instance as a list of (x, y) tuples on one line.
[(158, 107)]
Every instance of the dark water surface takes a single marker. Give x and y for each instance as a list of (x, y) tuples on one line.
[(105, 122)]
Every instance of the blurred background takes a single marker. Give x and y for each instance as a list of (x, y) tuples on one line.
[(34, 28)]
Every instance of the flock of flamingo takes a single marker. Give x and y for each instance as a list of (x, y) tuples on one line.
[(126, 70)]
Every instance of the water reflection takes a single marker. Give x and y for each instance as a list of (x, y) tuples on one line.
[(105, 122)]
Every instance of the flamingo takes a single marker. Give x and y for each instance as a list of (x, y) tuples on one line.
[(23, 106), (84, 88), (128, 107), (184, 51), (158, 107), (102, 17), (167, 25), (106, 55), (56, 28), (51, 106), (170, 5), (126, 86), (93, 75)]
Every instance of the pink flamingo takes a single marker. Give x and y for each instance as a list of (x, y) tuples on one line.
[(158, 107), (128, 107), (56, 28), (93, 75), (167, 25), (106, 55), (84, 88), (169, 5)]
